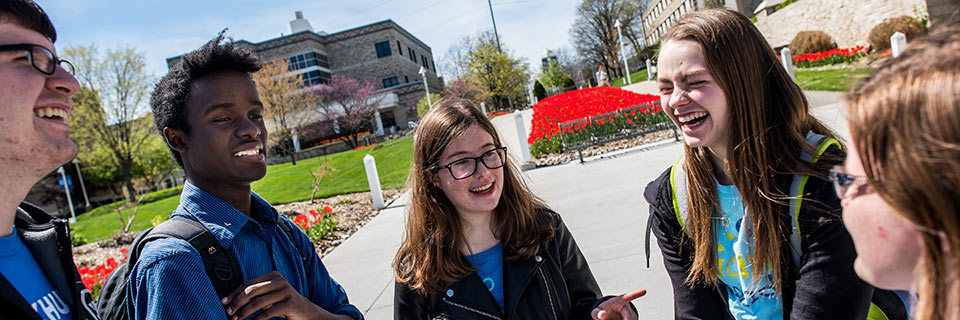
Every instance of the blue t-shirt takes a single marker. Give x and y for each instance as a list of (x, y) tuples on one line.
[(18, 266), (746, 299), (489, 264)]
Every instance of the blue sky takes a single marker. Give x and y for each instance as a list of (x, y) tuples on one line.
[(163, 29)]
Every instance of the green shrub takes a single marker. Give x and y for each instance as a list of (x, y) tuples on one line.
[(783, 5), (77, 239), (539, 91), (811, 41), (879, 37), (423, 106)]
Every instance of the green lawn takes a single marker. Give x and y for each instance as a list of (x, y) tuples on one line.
[(283, 183), (636, 77), (830, 79)]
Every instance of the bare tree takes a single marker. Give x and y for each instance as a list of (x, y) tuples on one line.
[(593, 33), (111, 114), (351, 104), (286, 102)]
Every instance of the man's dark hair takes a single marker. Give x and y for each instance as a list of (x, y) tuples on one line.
[(169, 100), (27, 14)]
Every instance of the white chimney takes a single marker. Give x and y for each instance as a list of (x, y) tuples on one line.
[(300, 24)]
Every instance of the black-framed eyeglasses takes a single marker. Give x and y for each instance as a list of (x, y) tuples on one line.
[(842, 181), (465, 167), (40, 57)]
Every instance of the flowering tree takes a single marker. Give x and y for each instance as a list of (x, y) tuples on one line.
[(349, 103), (284, 101)]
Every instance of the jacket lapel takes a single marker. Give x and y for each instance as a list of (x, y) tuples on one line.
[(516, 276)]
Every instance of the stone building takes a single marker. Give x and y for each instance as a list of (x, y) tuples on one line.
[(662, 14), (381, 51)]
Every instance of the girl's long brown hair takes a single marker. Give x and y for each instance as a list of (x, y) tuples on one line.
[(905, 120), (768, 122), (429, 257)]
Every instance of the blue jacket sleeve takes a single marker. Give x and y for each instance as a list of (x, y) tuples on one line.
[(169, 282)]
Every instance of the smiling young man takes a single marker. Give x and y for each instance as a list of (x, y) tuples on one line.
[(211, 118), (38, 279)]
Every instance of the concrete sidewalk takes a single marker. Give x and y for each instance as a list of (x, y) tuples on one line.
[(600, 201)]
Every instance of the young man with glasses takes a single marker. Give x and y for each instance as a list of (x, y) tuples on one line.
[(38, 279)]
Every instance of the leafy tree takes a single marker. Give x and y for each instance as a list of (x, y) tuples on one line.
[(350, 104), (501, 77), (286, 103), (463, 88), (110, 120), (554, 77), (538, 90), (423, 105)]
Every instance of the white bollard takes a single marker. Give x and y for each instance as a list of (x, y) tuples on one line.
[(522, 136), (898, 43), (483, 107), (373, 179), (296, 143), (379, 122), (649, 74), (787, 62)]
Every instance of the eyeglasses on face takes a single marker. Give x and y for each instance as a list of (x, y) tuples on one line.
[(465, 167), (842, 181), (40, 57)]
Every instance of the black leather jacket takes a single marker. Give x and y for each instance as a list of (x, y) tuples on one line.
[(554, 284), (49, 240)]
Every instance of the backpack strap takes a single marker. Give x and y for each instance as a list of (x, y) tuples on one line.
[(821, 143), (678, 187), (220, 265)]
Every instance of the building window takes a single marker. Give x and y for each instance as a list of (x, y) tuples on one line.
[(390, 82), (315, 77), (383, 49), (413, 54), (426, 65), (399, 48), (308, 59)]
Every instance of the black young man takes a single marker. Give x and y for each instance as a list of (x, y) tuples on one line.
[(211, 118)]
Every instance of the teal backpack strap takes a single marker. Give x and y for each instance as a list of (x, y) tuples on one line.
[(678, 187), (821, 144)]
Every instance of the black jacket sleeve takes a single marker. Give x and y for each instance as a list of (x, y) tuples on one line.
[(408, 304), (827, 286), (582, 287), (698, 301)]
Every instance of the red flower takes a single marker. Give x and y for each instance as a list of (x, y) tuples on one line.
[(112, 263), (327, 209), (313, 213), (300, 219)]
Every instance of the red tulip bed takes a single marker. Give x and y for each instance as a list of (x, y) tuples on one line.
[(588, 113), (835, 56)]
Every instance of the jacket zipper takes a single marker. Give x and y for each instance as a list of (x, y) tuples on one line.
[(546, 286), (470, 309)]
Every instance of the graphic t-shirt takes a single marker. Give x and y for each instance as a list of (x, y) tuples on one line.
[(746, 299), (18, 266), (489, 264)]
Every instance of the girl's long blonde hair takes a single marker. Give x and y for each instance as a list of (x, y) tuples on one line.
[(769, 120), (905, 120), (429, 257)]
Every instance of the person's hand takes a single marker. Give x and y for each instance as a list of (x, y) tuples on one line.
[(273, 297), (618, 307)]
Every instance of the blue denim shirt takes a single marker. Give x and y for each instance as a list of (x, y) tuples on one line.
[(169, 282)]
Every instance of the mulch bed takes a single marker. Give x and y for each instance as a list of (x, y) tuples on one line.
[(352, 211)]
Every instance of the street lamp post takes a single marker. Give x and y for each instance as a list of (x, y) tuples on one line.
[(423, 73), (626, 66), (66, 189), (86, 199)]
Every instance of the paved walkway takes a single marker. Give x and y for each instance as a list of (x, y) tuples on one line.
[(600, 201)]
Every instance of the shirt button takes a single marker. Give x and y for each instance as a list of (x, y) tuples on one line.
[(449, 292), (538, 258)]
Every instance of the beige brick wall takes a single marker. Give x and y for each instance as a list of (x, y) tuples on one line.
[(847, 21)]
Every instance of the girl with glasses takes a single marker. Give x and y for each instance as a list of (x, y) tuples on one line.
[(746, 220), (900, 184), (479, 244)]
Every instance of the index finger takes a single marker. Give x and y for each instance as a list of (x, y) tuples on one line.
[(633, 295), (264, 278)]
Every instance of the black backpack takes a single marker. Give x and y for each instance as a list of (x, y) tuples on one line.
[(220, 265)]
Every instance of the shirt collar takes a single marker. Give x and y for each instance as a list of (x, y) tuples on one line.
[(223, 220)]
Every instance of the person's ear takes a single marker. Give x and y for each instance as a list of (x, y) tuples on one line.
[(176, 139)]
